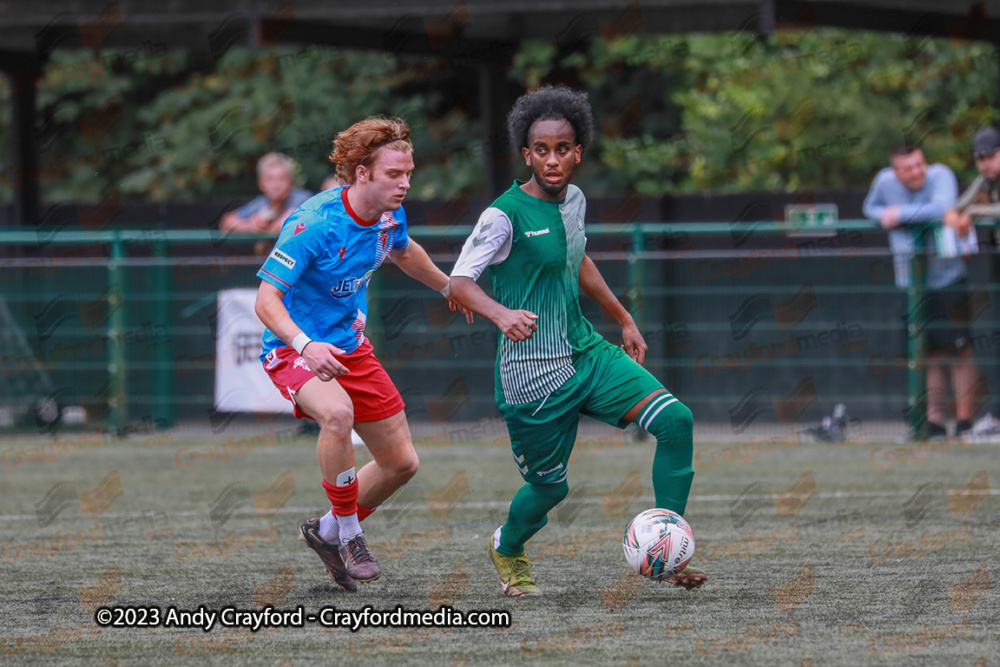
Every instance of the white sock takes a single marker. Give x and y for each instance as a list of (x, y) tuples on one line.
[(496, 538), (328, 528), (349, 527)]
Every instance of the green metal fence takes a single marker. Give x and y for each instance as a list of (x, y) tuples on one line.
[(743, 323)]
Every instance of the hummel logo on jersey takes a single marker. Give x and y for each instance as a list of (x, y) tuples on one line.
[(529, 234), (478, 241), (546, 472), (283, 258)]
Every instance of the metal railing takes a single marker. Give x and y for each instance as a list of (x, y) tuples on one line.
[(685, 283)]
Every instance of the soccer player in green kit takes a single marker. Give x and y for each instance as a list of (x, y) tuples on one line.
[(551, 364)]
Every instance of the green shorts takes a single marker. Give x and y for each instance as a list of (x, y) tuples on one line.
[(606, 385)]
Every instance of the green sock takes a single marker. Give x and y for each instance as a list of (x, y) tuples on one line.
[(671, 484), (528, 513), (671, 423)]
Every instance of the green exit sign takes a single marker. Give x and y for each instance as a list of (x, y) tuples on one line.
[(818, 220)]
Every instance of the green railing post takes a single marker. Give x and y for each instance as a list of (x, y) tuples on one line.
[(635, 282), (915, 332), (118, 364), (163, 389), (635, 277)]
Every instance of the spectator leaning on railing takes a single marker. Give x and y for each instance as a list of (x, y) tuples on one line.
[(266, 212), (982, 197), (909, 192)]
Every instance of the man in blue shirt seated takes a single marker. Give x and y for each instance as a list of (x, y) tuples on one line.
[(266, 212), (910, 192)]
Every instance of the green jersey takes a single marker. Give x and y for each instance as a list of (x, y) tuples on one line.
[(533, 249)]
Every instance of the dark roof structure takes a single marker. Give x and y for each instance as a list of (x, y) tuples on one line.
[(465, 26)]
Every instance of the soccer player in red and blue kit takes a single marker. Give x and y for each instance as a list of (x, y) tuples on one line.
[(312, 301)]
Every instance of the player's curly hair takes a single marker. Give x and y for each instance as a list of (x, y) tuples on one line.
[(360, 144), (550, 103)]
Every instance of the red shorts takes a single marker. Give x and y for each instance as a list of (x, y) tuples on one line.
[(372, 392)]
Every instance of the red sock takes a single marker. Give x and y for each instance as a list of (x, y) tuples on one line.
[(365, 512), (343, 498)]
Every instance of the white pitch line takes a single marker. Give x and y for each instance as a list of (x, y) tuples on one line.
[(502, 504)]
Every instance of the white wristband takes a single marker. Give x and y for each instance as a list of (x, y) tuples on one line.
[(446, 290), (300, 341)]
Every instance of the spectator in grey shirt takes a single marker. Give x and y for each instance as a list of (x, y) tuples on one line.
[(266, 212), (910, 192)]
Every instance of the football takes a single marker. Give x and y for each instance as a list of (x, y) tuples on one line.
[(658, 543)]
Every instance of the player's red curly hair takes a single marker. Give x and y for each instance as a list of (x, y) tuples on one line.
[(360, 144)]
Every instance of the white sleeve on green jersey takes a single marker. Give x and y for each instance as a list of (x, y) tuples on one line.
[(488, 244)]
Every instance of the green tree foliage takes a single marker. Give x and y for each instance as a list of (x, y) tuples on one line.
[(803, 109), (830, 109), (682, 113), (158, 125)]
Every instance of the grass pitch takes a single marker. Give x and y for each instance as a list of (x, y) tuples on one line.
[(865, 554)]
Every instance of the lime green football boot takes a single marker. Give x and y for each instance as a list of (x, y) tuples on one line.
[(515, 574)]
